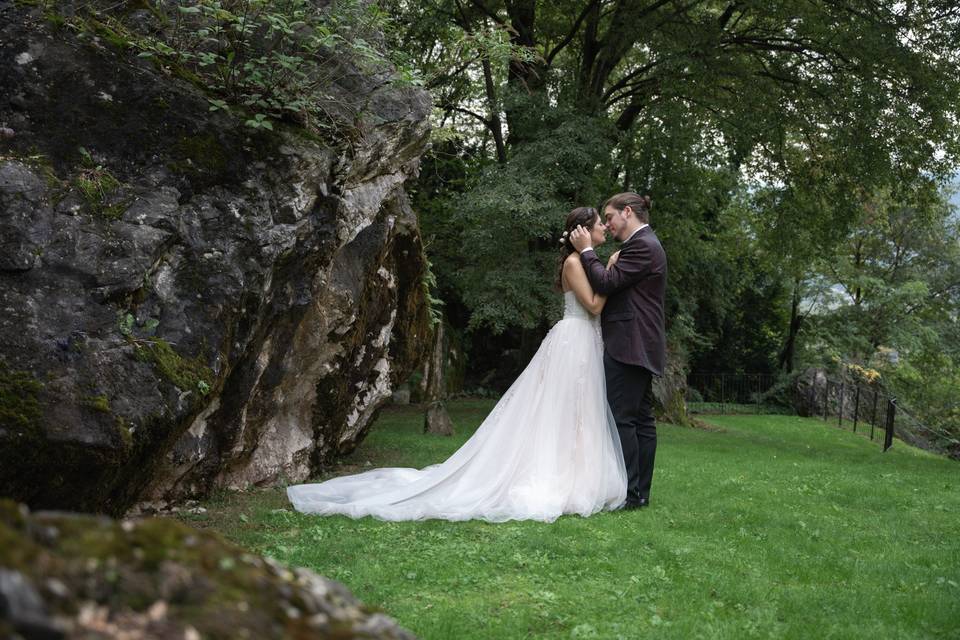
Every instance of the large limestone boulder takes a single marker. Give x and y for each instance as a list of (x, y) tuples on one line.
[(70, 576), (188, 303)]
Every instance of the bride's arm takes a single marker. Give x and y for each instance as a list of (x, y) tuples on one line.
[(576, 279)]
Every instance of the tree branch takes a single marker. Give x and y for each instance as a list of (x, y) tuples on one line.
[(625, 80), (490, 14), (726, 15), (494, 124), (453, 107), (573, 31), (447, 76)]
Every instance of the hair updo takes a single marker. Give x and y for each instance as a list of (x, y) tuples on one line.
[(585, 217), (640, 205)]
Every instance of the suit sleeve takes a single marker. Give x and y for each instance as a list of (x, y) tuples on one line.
[(631, 267)]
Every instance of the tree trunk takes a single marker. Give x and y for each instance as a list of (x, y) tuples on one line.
[(436, 420), (670, 390), (790, 343), (494, 124)]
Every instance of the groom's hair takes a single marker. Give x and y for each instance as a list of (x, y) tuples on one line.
[(640, 205)]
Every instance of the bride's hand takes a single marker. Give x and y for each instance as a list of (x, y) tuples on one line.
[(613, 259)]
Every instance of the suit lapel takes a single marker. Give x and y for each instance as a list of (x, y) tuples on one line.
[(637, 236)]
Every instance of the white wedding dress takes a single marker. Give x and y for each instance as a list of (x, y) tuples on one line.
[(549, 447)]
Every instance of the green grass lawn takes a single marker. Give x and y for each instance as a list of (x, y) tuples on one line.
[(767, 527)]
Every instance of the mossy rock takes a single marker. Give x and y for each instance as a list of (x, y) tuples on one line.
[(188, 374), (158, 577), (232, 237), (203, 152), (19, 405), (98, 403)]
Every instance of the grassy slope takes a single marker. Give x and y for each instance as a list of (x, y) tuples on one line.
[(773, 526)]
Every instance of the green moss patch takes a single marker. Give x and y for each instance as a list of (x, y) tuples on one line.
[(97, 403), (199, 154), (189, 374), (19, 403)]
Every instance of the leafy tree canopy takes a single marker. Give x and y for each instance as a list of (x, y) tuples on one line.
[(558, 104)]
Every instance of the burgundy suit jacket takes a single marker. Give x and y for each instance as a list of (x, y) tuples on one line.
[(633, 318)]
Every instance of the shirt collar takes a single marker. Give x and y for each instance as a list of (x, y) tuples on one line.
[(641, 227)]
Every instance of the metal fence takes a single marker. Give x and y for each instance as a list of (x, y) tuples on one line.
[(862, 406), (857, 406), (912, 430), (865, 409), (732, 393)]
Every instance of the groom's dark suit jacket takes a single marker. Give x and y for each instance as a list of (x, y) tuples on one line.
[(632, 320)]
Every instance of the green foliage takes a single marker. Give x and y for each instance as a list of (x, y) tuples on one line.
[(505, 223), (265, 60), (126, 323), (885, 293), (774, 526), (755, 127), (129, 327), (272, 60)]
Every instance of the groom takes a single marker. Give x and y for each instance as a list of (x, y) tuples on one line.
[(633, 331)]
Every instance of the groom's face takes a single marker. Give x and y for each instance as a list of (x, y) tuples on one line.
[(616, 221)]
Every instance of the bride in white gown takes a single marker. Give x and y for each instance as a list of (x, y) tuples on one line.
[(549, 447)]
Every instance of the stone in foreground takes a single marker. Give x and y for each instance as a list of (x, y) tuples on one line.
[(76, 576)]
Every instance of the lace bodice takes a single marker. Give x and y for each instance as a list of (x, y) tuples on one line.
[(573, 309)]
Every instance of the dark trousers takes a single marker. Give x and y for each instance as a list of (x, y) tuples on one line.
[(630, 396)]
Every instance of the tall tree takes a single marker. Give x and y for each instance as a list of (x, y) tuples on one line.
[(559, 104)]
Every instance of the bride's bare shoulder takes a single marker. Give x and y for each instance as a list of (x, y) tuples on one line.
[(572, 261)]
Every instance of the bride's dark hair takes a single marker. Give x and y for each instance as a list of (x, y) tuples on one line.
[(585, 217)]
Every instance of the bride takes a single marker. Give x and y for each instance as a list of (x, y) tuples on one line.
[(549, 447)]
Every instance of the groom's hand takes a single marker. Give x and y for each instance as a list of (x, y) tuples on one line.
[(580, 239)]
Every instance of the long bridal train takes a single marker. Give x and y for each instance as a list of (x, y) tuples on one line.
[(549, 447)]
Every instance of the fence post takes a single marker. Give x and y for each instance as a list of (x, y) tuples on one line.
[(840, 412), (891, 416), (722, 396), (826, 396), (873, 420), (856, 409), (758, 394)]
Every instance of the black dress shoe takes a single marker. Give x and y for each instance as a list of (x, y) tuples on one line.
[(636, 504)]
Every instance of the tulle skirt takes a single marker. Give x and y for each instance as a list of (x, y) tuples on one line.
[(549, 447)]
